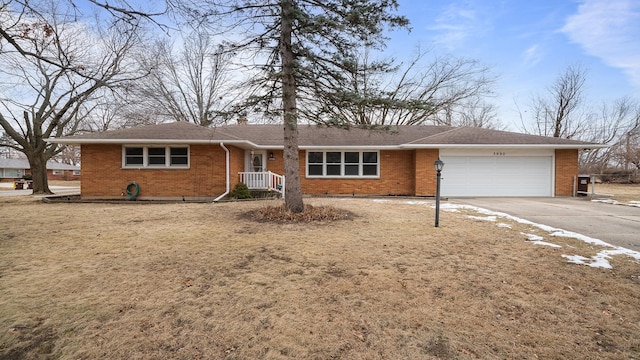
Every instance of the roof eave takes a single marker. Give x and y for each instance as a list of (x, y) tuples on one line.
[(503, 146), (349, 147), (148, 141)]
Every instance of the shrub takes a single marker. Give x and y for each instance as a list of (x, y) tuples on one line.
[(241, 191)]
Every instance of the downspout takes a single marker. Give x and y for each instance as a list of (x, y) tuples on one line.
[(227, 160)]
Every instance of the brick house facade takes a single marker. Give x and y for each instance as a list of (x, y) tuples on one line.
[(396, 161), (14, 169)]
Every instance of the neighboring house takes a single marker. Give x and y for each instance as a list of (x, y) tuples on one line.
[(14, 169), (185, 161)]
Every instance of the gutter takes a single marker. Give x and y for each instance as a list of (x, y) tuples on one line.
[(503, 146), (228, 171)]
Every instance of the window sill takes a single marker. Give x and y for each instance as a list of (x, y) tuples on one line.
[(155, 167), (344, 177)]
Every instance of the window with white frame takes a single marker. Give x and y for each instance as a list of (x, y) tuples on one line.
[(76, 172), (155, 156), (343, 164), (57, 172)]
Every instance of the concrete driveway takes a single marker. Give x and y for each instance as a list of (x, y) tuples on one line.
[(6, 190), (615, 224)]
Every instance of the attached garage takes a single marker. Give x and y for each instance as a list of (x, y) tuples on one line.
[(499, 172)]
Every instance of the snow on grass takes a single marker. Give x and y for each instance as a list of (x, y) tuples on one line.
[(538, 240), (483, 218), (503, 225), (615, 202), (608, 201), (598, 260), (601, 259)]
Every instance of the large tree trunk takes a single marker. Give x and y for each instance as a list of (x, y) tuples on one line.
[(293, 194), (38, 165)]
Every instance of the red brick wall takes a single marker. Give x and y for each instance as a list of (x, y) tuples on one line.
[(425, 176), (396, 178), (402, 172), (104, 177), (66, 175), (566, 171), (236, 165)]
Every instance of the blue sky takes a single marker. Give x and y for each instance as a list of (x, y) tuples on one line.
[(529, 43)]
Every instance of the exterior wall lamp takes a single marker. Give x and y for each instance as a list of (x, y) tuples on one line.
[(439, 165)]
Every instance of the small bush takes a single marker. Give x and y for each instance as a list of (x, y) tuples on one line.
[(279, 214), (241, 191), (27, 177)]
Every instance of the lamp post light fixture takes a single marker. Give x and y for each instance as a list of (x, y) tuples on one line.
[(438, 164)]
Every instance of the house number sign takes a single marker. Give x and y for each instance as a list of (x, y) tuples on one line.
[(499, 153)]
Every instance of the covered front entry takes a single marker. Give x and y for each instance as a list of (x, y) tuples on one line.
[(497, 173), (256, 175)]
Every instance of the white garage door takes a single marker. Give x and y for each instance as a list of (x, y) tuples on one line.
[(497, 176)]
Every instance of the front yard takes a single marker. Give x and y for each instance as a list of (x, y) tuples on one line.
[(204, 281)]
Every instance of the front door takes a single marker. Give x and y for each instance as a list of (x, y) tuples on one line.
[(257, 163)]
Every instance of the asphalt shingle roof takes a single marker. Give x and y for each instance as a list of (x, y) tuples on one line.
[(24, 164), (317, 136)]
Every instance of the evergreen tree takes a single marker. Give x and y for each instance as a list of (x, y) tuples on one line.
[(305, 46)]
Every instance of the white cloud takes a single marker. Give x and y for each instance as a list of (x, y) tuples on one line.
[(609, 30), (532, 55), (457, 23)]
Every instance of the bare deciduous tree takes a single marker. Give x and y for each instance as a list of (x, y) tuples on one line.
[(621, 129), (46, 94), (189, 84), (438, 91), (559, 113)]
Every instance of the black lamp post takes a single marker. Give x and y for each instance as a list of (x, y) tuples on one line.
[(439, 164)]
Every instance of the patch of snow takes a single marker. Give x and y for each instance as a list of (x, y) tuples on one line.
[(532, 237), (483, 218), (599, 260), (544, 243), (415, 202), (607, 201), (381, 201), (503, 225), (537, 240), (614, 202)]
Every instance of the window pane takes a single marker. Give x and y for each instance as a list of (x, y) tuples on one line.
[(175, 151), (179, 156), (369, 157), (334, 157), (134, 151), (156, 151), (333, 170), (156, 156), (351, 157), (179, 160), (133, 156), (314, 157), (351, 170), (134, 160), (369, 170), (315, 170)]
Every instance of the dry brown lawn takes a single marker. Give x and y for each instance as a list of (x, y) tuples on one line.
[(620, 192), (203, 281)]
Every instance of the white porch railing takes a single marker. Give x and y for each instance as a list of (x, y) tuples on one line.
[(265, 180)]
